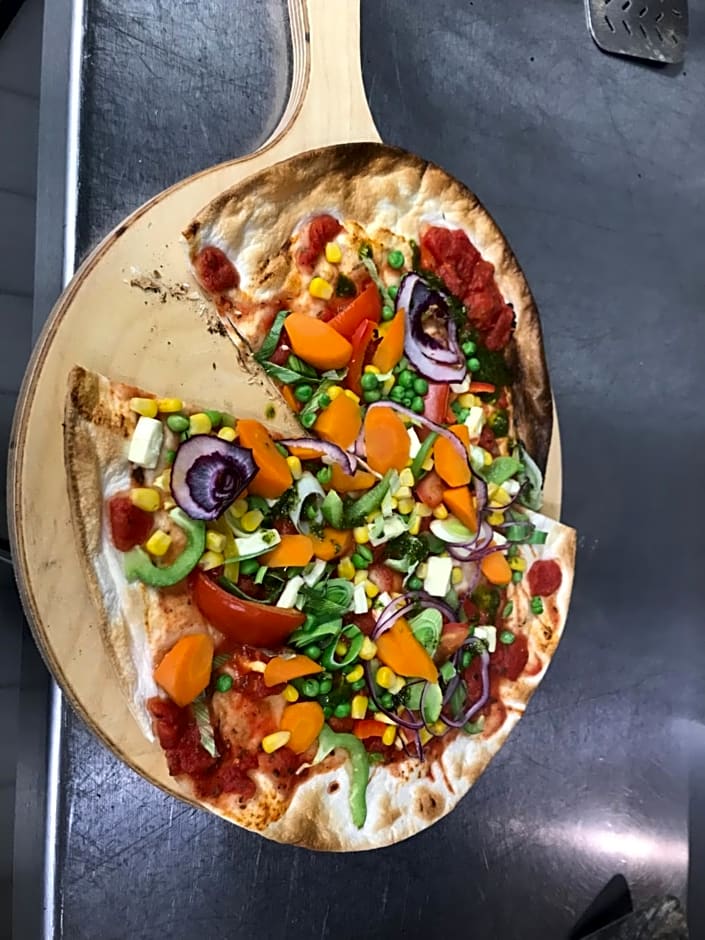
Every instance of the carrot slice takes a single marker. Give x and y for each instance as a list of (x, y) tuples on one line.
[(304, 721), (285, 668), (316, 342), (292, 550), (449, 465), (341, 482), (274, 476), (495, 568), (290, 399), (399, 649), (366, 306), (333, 544), (460, 502), (391, 349), (185, 671), (340, 422), (386, 441)]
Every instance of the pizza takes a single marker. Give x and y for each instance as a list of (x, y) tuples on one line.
[(331, 632)]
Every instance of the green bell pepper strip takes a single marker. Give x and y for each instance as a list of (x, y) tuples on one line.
[(139, 566), (328, 740), (360, 508), (328, 660), (423, 452)]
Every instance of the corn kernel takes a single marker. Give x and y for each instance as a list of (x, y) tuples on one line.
[(334, 391), (168, 406), (438, 728), (200, 423), (385, 677), (393, 502), (210, 560), (358, 706), (496, 518), (406, 506), (404, 492), (319, 287), (361, 534), (425, 735), (346, 569), (251, 520), (257, 666), (440, 512), (352, 396), (215, 541), (487, 458), (227, 434), (145, 497), (168, 503), (163, 481), (406, 477), (498, 495), (396, 686), (357, 673), (517, 564), (290, 693), (428, 463), (388, 736), (294, 465), (371, 590), (272, 742), (238, 508), (341, 648), (373, 369), (422, 570), (333, 253), (158, 543), (467, 400), (388, 385), (383, 328), (385, 719), (360, 576), (456, 576), (423, 510), (368, 650), (147, 407), (415, 525)]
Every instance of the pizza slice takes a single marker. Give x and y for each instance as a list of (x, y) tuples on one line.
[(329, 643)]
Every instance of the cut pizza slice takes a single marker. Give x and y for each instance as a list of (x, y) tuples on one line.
[(329, 646)]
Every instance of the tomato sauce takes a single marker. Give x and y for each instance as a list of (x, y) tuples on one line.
[(215, 271), (544, 578), (129, 525), (319, 232)]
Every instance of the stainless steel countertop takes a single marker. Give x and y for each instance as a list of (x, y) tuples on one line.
[(592, 165)]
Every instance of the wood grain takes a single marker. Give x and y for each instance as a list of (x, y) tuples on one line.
[(156, 339)]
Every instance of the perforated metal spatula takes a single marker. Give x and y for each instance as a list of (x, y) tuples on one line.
[(646, 29)]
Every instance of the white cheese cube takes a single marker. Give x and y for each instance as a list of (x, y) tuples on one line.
[(475, 420), (461, 387), (438, 574), (360, 602), (290, 592), (489, 635), (146, 443), (414, 442)]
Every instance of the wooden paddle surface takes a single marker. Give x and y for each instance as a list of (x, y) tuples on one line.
[(157, 339)]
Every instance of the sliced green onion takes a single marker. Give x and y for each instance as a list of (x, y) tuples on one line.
[(199, 709)]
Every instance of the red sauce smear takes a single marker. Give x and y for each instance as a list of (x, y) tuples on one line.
[(320, 230), (451, 255), (544, 578), (215, 271), (129, 525)]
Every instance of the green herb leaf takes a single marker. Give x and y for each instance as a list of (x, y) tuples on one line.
[(199, 708), (502, 469), (221, 659), (387, 299), (508, 608), (272, 338), (344, 287), (281, 373)]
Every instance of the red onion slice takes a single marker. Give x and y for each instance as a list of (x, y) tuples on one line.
[(344, 460), (484, 695), (208, 475), (433, 360), (401, 605)]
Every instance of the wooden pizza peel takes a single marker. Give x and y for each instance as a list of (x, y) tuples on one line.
[(133, 313)]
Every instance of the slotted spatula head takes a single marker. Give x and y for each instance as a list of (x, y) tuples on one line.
[(647, 29)]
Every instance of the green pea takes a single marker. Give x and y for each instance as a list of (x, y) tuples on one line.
[(342, 710), (308, 420), (358, 561), (327, 711), (170, 456), (303, 393), (421, 386), (397, 393), (215, 418), (393, 290), (358, 686), (387, 313), (324, 400), (310, 688), (386, 699), (395, 259), (473, 364), (406, 379), (249, 566), (226, 420), (462, 414), (417, 405), (516, 577), (325, 686), (371, 396), (369, 381), (403, 364), (324, 475), (507, 637), (177, 423), (536, 605), (469, 348), (365, 552), (224, 683), (313, 651), (414, 584)]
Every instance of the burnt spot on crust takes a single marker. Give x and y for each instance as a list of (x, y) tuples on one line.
[(429, 806), (192, 230), (332, 787), (137, 475)]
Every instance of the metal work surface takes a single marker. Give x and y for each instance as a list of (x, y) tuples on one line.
[(592, 165)]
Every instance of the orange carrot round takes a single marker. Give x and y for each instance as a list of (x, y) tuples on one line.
[(303, 721), (495, 568), (340, 422), (341, 482), (294, 550), (285, 668), (185, 671), (333, 544), (274, 476), (450, 466), (399, 649), (316, 342), (391, 349), (386, 441)]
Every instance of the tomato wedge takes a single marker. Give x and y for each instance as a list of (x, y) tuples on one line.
[(366, 306), (453, 636), (369, 728), (436, 402), (241, 620), (360, 341)]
